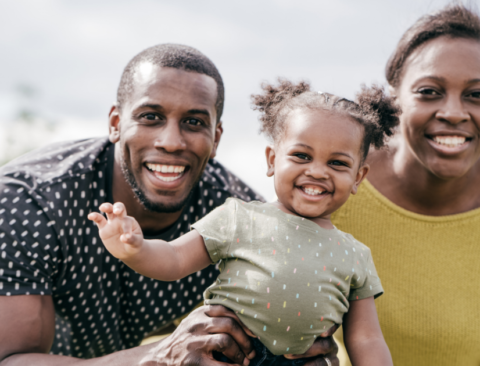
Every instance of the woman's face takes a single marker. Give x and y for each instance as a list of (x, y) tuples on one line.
[(439, 93)]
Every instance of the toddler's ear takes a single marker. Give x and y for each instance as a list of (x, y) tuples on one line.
[(361, 174), (270, 155)]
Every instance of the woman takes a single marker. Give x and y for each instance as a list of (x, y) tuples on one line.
[(423, 196)]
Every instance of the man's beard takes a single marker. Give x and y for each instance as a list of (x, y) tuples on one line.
[(149, 205)]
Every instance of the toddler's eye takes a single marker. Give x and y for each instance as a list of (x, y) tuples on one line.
[(193, 122), (338, 163), (302, 156)]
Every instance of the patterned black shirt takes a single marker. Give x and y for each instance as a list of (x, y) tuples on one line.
[(49, 247)]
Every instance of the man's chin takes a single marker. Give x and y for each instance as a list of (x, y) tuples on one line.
[(160, 207)]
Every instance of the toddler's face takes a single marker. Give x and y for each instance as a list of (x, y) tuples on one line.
[(316, 163)]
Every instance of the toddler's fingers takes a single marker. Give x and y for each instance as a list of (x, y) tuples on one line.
[(98, 219), (119, 209), (131, 239), (107, 208)]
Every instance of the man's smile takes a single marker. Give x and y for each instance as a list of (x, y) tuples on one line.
[(166, 172)]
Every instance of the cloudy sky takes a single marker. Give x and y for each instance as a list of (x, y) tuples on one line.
[(62, 60)]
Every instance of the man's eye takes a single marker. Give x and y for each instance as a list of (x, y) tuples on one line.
[(150, 116), (475, 94), (193, 122), (302, 156)]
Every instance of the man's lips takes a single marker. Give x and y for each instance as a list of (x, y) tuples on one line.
[(167, 172)]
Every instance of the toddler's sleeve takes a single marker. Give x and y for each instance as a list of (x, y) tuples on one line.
[(217, 229), (369, 284)]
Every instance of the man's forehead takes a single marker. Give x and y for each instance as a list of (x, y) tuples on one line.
[(153, 82)]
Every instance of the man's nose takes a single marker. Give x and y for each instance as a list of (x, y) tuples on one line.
[(170, 138), (453, 111)]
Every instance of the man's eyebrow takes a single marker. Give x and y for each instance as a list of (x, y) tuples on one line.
[(152, 106), (199, 111)]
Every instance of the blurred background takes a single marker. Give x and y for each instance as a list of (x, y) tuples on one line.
[(61, 61)]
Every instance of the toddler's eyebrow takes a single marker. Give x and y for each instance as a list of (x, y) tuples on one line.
[(344, 154), (303, 145)]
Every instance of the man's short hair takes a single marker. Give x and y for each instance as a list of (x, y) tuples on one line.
[(176, 56)]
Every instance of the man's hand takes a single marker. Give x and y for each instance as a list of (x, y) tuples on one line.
[(323, 347), (207, 329), (121, 234)]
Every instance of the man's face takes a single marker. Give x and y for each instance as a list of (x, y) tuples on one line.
[(166, 132)]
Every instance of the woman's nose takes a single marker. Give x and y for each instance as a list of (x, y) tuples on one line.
[(453, 111), (170, 138)]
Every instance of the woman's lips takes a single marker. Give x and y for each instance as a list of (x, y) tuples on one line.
[(449, 144)]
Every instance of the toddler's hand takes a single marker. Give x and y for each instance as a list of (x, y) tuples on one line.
[(121, 234)]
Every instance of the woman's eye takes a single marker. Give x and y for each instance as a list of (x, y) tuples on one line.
[(428, 91), (193, 122)]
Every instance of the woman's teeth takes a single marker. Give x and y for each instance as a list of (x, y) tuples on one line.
[(449, 141), (313, 191), (161, 168)]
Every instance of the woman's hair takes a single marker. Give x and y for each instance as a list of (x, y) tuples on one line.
[(372, 108), (455, 21)]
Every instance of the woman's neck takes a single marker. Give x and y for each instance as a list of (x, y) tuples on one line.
[(400, 177)]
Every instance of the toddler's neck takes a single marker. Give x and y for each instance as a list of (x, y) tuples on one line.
[(322, 221)]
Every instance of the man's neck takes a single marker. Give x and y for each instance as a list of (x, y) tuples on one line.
[(152, 223)]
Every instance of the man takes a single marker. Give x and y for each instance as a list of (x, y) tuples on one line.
[(62, 292)]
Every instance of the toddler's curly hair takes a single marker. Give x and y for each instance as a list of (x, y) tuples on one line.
[(372, 108)]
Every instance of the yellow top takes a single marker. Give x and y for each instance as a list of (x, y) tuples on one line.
[(430, 312)]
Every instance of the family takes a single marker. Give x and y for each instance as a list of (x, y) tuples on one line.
[(369, 250)]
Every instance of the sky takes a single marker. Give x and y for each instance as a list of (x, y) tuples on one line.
[(62, 60)]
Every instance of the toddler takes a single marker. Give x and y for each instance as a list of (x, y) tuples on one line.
[(285, 270)]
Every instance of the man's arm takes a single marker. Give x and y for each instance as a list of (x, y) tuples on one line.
[(28, 327)]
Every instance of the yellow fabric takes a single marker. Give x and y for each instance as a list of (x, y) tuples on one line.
[(430, 312)]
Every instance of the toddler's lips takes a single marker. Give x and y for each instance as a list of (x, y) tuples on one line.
[(312, 190)]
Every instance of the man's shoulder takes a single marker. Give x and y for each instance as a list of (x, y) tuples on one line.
[(218, 178), (56, 162)]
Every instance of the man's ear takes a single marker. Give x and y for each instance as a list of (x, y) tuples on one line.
[(114, 124), (361, 174), (270, 155), (218, 135)]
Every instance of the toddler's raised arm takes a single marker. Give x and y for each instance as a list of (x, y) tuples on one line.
[(363, 336), (165, 261)]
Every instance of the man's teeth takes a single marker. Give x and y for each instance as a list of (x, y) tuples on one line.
[(165, 168), (449, 141), (312, 191)]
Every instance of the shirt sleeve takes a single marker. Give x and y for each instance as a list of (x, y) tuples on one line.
[(217, 229), (369, 284), (27, 244)]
